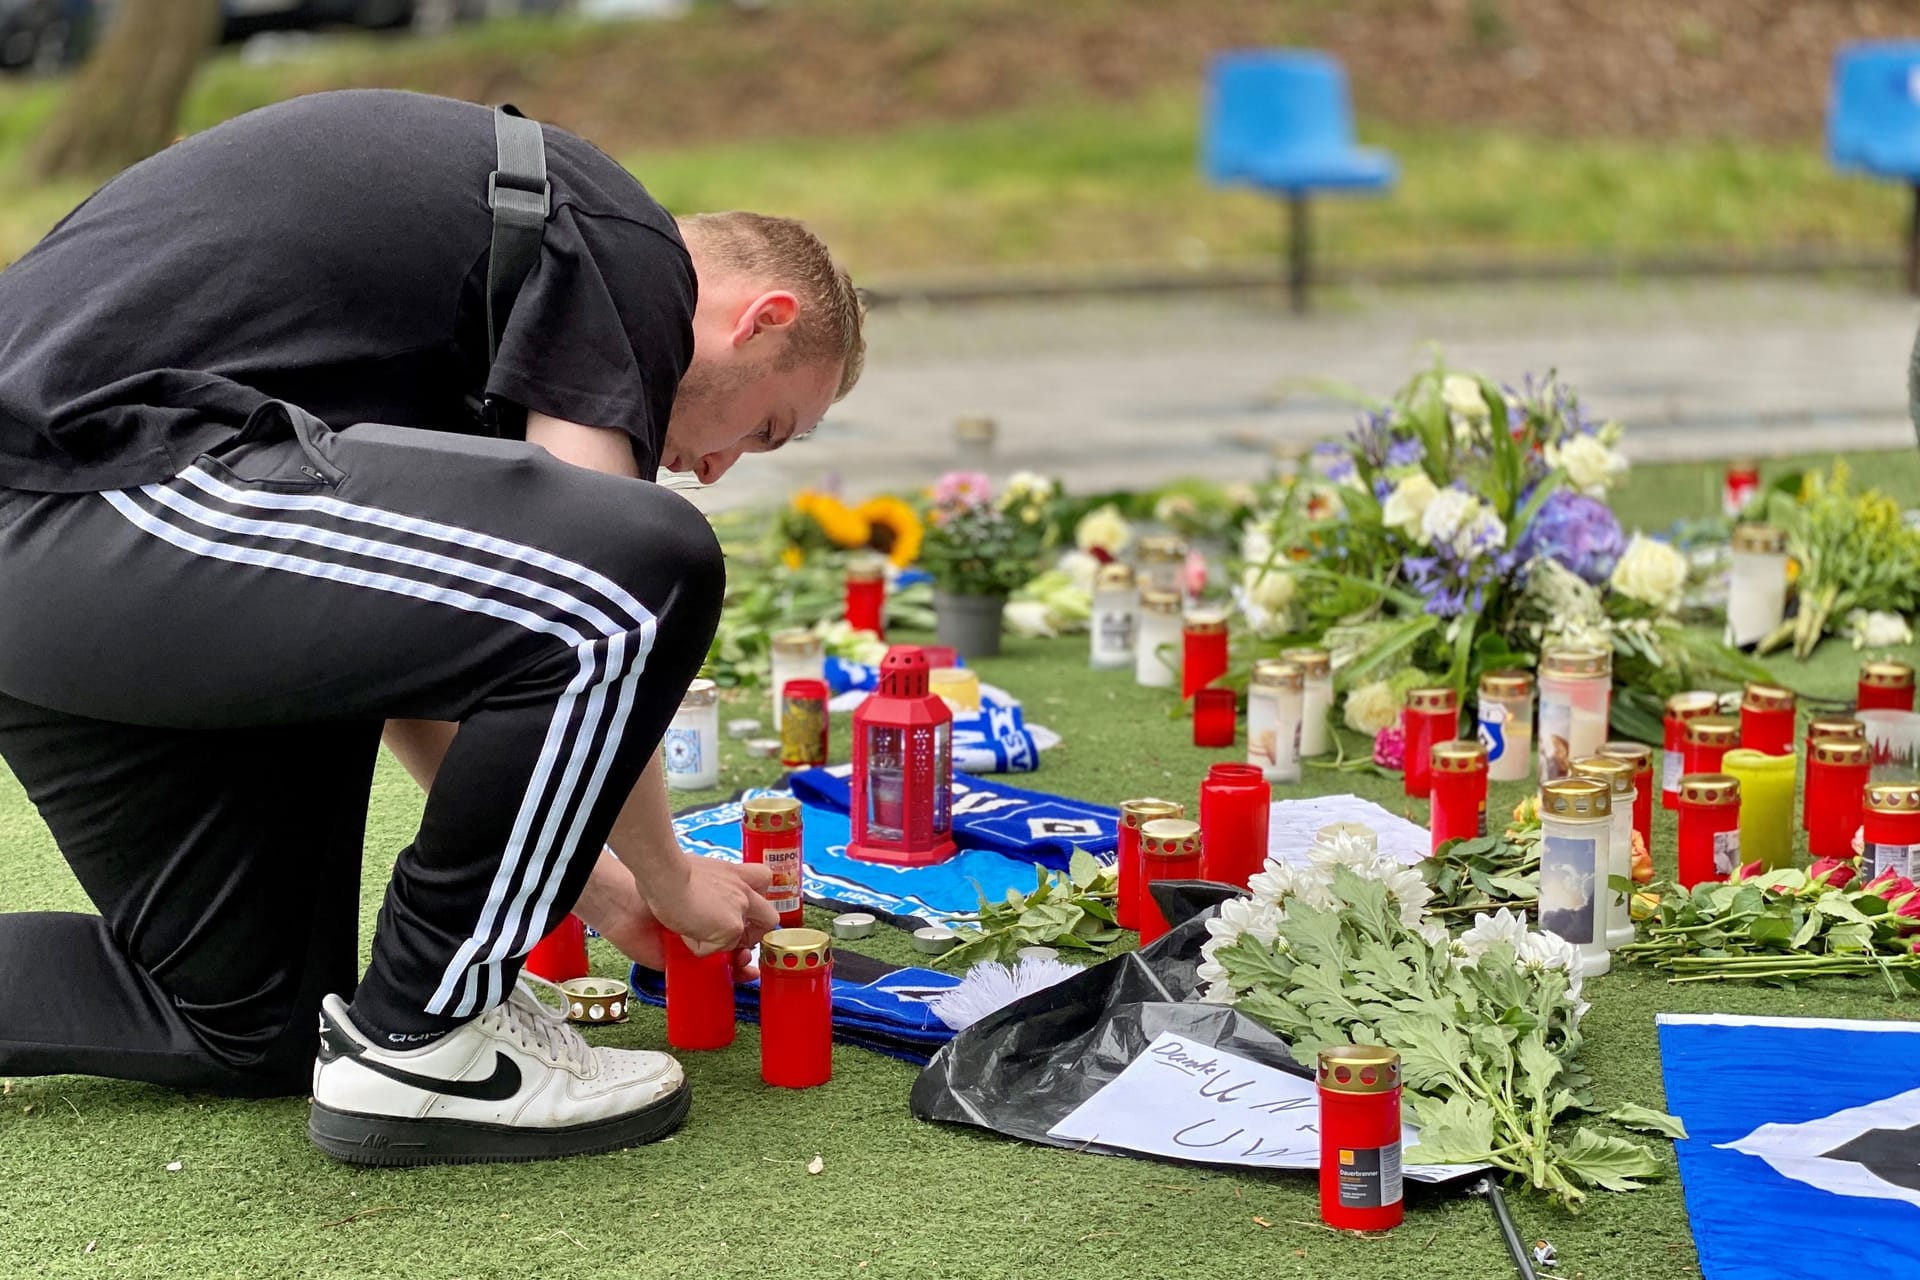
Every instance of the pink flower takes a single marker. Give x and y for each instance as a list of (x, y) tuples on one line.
[(963, 489), (1390, 747), (1832, 872), (1193, 575), (1748, 872), (1908, 911), (1889, 884)]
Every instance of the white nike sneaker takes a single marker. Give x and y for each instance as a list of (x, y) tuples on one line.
[(516, 1083)]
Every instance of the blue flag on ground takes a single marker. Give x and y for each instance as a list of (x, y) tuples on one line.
[(1803, 1150), (1030, 825)]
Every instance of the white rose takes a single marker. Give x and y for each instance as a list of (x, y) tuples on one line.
[(1650, 572), (1270, 590), (1877, 629), (1105, 528), (1372, 707), (1256, 544), (1028, 486), (1451, 513), (1590, 465), (1408, 503), (1462, 397)]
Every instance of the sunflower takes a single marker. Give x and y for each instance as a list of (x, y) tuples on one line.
[(843, 526), (893, 529)]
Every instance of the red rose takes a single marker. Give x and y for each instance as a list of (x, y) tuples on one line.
[(1888, 883), (1832, 872), (1908, 910), (1748, 872)]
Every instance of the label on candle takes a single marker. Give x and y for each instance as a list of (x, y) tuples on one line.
[(1726, 852), (1480, 823), (1113, 634), (682, 752), (1569, 887), (1369, 1177), (1901, 859), (1493, 730), (1672, 769), (784, 890), (1556, 740)]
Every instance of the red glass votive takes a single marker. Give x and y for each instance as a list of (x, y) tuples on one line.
[(1709, 820), (1766, 720), (1706, 743), (1890, 829), (1360, 1137), (1459, 805), (1837, 773), (561, 956), (1213, 710), (1641, 757), (1132, 877), (1432, 717), (1203, 652), (1681, 707), (770, 834), (1169, 850), (699, 996), (866, 598), (796, 1008), (1235, 802), (1886, 686)]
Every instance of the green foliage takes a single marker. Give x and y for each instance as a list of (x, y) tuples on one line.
[(1483, 874), (981, 547), (1073, 911), (1855, 551)]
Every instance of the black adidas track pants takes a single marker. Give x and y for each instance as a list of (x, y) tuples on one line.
[(193, 679)]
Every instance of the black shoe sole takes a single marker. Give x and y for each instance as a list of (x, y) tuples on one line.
[(393, 1141)]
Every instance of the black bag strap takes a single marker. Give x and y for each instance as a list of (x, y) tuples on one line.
[(520, 198)]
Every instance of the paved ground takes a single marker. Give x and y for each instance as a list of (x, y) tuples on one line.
[(1125, 393)]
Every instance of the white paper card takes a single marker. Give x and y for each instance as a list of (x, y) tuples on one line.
[(1191, 1101), (1292, 824)]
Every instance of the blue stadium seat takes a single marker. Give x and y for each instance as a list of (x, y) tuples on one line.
[(1873, 122), (1280, 120)]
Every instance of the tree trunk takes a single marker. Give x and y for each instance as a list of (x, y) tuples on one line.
[(124, 102)]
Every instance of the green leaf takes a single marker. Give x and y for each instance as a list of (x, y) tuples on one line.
[(1634, 1116), (1083, 869), (1608, 1162), (1808, 928), (1539, 1067), (1770, 930)]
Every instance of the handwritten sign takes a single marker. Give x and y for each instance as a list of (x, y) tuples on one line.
[(1190, 1101)]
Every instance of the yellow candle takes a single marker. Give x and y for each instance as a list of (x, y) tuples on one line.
[(1766, 805), (958, 685)]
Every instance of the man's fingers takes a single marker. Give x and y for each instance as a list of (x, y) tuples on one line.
[(761, 915), (757, 875)]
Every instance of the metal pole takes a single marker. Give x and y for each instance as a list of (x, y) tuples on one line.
[(1300, 249)]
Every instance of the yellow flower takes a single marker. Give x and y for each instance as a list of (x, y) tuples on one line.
[(793, 557), (843, 526), (892, 528)]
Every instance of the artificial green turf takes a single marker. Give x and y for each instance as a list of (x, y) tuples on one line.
[(83, 1163)]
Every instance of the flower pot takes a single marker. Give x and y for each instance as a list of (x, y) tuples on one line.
[(968, 624)]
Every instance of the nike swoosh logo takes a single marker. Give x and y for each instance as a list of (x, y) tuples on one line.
[(498, 1087)]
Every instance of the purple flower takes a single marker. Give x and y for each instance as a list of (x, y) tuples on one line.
[(1371, 438), (1405, 453), (1334, 461), (1577, 531)]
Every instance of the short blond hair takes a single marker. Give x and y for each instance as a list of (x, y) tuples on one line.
[(785, 254)]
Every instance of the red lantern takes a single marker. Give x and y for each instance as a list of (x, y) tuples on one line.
[(902, 782)]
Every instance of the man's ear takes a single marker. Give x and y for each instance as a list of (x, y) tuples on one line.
[(765, 316)]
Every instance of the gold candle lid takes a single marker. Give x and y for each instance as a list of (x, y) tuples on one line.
[(1461, 755), (1274, 673), (794, 950), (1886, 675), (1315, 662), (1713, 731), (1170, 838), (1436, 698), (1639, 753), (1763, 538), (1768, 697), (1577, 662), (1893, 797), (866, 569), (1113, 577), (1693, 704), (771, 813), (701, 693), (1358, 1068), (1506, 684), (1849, 751), (1617, 774), (1206, 622), (1137, 813), (1576, 798), (1710, 789), (796, 644), (1836, 727), (1160, 601), (1161, 547)]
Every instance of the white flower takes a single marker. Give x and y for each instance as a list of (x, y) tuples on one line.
[(1877, 629), (1173, 508), (1462, 397), (1372, 707), (1239, 494), (1029, 618), (1408, 503), (1270, 590), (1105, 528), (1240, 917), (1450, 513), (1650, 572), (1589, 464), (1256, 541), (1081, 568), (1027, 486), (1503, 925)]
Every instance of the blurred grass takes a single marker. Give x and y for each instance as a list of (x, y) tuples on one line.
[(1087, 182)]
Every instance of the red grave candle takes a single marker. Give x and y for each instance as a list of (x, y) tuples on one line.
[(1707, 741), (1834, 727), (1737, 490), (1432, 717), (1890, 829), (796, 1008), (1459, 806), (866, 597), (1213, 710), (1132, 887), (1203, 651), (1837, 772), (1886, 686), (1235, 802), (1641, 757), (1360, 1188), (1681, 707), (699, 996), (770, 834), (803, 723), (1766, 720), (561, 956), (1709, 827), (1169, 850)]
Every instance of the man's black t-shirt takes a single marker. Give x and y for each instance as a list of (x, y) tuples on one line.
[(330, 251)]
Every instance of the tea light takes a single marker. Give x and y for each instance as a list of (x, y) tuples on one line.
[(934, 940), (958, 686), (853, 924)]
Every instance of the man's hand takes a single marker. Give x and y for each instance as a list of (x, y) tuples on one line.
[(613, 906), (719, 906)]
